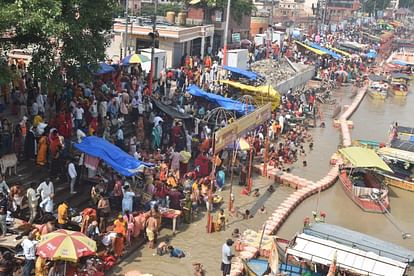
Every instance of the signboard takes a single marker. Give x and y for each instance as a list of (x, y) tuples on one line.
[(240, 127), (235, 37)]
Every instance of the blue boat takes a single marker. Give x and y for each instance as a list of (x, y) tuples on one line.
[(294, 270), (256, 267)]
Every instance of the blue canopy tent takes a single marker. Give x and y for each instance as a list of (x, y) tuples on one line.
[(118, 159), (224, 102), (371, 54), (104, 69), (329, 52), (248, 74)]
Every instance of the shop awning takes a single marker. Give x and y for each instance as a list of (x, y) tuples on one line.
[(339, 51), (402, 155), (316, 51), (364, 158), (262, 90), (245, 73), (329, 52), (224, 102), (401, 63), (347, 258), (118, 159), (174, 113)]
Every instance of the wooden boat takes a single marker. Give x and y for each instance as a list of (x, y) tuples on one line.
[(402, 164), (378, 90), (399, 89), (361, 183)]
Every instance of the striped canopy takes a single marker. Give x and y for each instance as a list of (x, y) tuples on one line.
[(66, 245), (134, 59)]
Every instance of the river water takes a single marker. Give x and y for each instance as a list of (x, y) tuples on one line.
[(372, 121)]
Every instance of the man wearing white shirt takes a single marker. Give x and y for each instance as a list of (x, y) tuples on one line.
[(78, 116), (29, 251), (72, 175), (46, 189)]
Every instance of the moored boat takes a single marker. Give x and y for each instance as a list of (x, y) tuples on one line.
[(399, 84), (399, 89), (360, 182), (378, 87), (402, 164)]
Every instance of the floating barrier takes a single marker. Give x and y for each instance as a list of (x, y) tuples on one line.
[(304, 188)]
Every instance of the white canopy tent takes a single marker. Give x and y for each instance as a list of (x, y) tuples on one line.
[(354, 260)]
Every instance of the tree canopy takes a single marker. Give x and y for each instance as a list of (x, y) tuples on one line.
[(65, 35)]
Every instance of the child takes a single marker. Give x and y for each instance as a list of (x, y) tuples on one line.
[(256, 193), (305, 163), (236, 233), (262, 210), (175, 252), (163, 247)]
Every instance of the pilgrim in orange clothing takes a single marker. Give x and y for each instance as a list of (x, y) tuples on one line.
[(42, 151)]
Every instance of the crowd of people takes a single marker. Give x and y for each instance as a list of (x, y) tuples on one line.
[(121, 109)]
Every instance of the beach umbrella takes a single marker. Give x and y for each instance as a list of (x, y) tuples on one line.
[(65, 245), (134, 59)]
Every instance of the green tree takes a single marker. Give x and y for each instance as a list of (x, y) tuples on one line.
[(373, 6), (64, 34), (406, 3), (239, 8)]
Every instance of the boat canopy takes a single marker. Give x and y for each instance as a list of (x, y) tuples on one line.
[(316, 51), (402, 155), (248, 74), (263, 90), (405, 130), (354, 260), (402, 145), (364, 158), (360, 241), (377, 78), (400, 76)]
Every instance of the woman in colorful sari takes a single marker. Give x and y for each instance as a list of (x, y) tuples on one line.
[(42, 151)]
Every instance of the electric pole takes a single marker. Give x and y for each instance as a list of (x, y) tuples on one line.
[(126, 28), (154, 31)]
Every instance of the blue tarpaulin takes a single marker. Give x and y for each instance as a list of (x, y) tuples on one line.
[(401, 63), (329, 52), (248, 74), (104, 69), (118, 159), (412, 138), (224, 102), (372, 54)]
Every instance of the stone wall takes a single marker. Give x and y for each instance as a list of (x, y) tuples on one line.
[(300, 79)]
